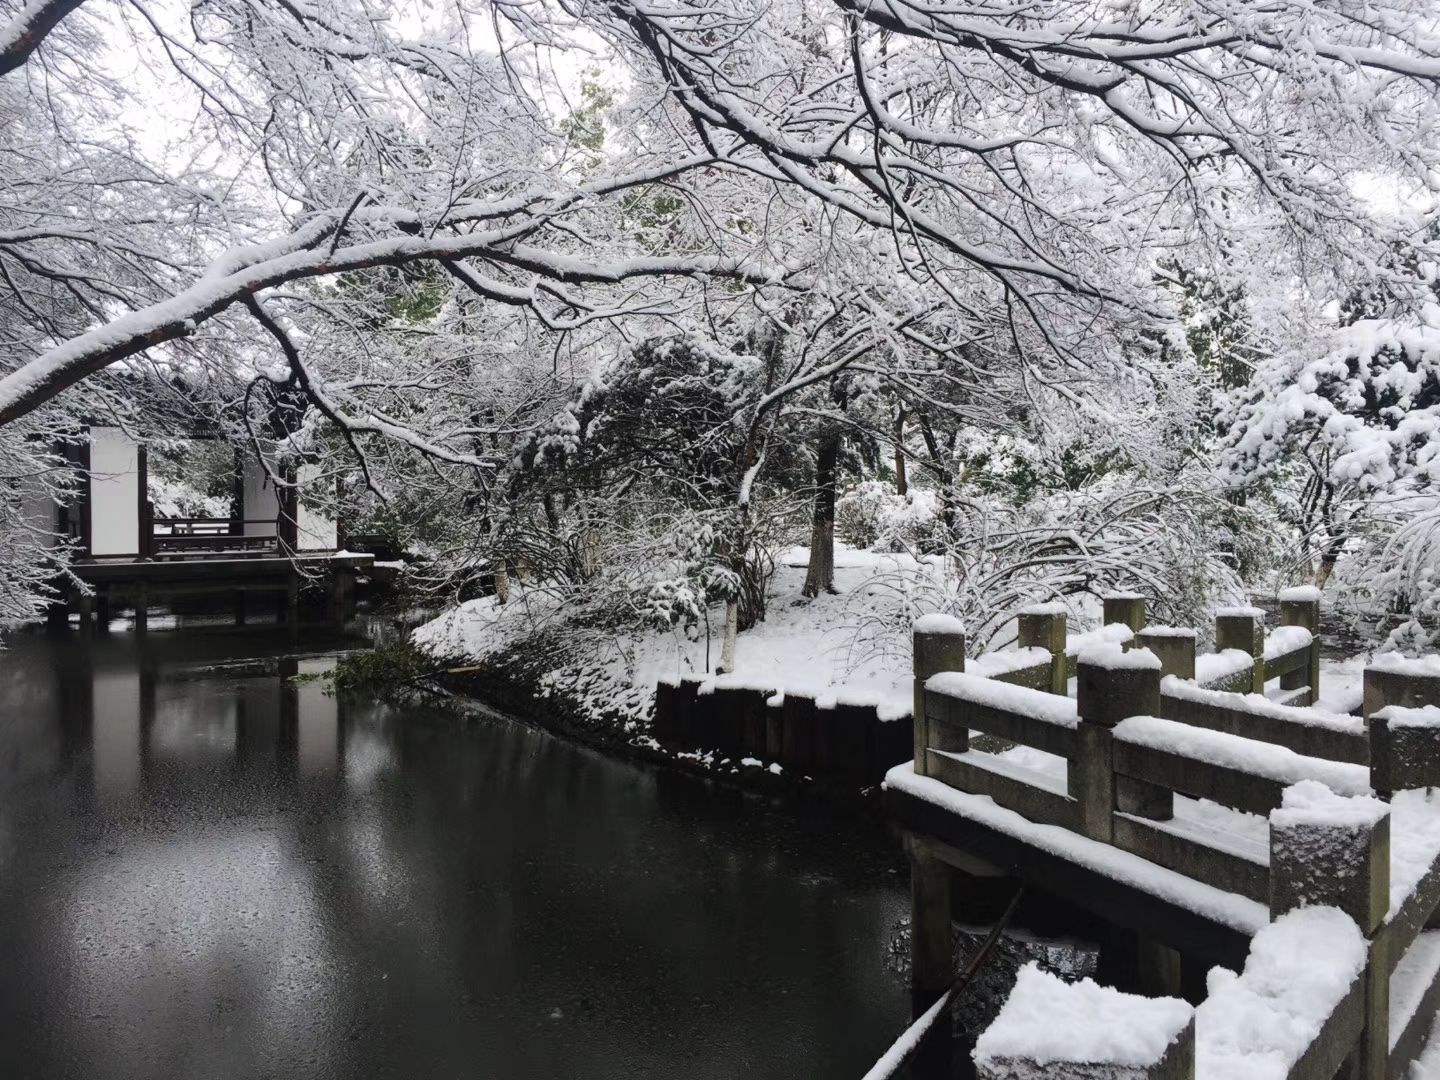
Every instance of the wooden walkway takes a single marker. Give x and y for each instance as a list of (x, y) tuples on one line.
[(111, 582)]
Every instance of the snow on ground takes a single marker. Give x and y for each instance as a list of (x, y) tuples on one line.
[(833, 646), (1342, 684)]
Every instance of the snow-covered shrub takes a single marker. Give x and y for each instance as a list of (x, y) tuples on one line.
[(174, 498), (872, 515), (191, 478), (1388, 584), (1118, 533)]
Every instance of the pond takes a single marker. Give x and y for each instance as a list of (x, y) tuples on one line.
[(210, 869)]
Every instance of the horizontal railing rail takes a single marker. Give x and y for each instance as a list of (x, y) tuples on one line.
[(208, 522)]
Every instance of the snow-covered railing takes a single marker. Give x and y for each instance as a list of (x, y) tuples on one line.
[(1225, 690), (1316, 989), (1125, 762), (1130, 742), (1244, 661), (1052, 1028), (957, 703), (1303, 729), (1245, 658)]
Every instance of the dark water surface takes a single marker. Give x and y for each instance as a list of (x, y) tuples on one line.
[(208, 871)]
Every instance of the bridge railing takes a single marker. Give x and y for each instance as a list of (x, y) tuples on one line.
[(1309, 998), (1135, 736), (1314, 993)]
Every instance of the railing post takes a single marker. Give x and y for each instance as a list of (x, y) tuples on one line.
[(1173, 646), (1111, 685), (1394, 680), (1243, 628), (1300, 606), (1329, 850), (1042, 626), (938, 642), (1127, 608), (1404, 749)]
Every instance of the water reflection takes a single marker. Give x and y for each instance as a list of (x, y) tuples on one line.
[(208, 868)]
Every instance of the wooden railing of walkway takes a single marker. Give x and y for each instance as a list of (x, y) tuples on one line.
[(1151, 721)]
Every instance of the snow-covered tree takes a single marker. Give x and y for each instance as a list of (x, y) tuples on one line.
[(987, 190), (1350, 438)]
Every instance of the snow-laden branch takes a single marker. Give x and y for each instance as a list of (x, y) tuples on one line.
[(27, 28), (245, 272)]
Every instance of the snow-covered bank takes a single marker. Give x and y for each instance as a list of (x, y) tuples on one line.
[(843, 645), (851, 646)]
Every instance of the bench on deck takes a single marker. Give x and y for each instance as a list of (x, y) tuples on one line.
[(180, 536)]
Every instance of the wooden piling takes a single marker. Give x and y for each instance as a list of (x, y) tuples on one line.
[(774, 727), (342, 594), (892, 746), (703, 733), (827, 750), (853, 740), (727, 722), (292, 605), (797, 747), (752, 721), (665, 724), (84, 604)]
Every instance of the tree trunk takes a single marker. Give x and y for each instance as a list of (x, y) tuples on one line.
[(902, 481), (946, 492), (821, 573), (1329, 556), (732, 631)]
